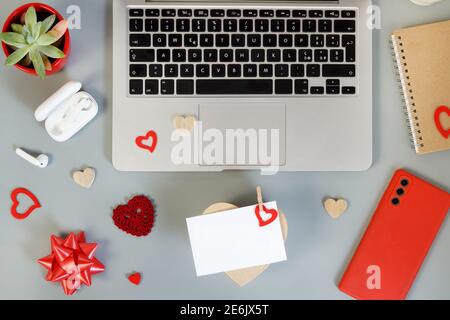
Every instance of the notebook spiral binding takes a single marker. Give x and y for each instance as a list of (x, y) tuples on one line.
[(404, 86)]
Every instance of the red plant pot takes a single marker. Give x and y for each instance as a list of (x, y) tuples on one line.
[(14, 17)]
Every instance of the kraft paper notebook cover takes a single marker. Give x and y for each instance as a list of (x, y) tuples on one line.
[(422, 55)]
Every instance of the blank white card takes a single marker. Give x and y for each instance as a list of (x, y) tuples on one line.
[(234, 239)]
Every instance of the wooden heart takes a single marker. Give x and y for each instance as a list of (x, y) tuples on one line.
[(244, 276), (335, 208), (84, 178), (187, 123)]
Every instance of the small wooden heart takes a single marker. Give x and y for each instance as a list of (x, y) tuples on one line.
[(182, 122), (84, 178), (244, 276), (335, 208)]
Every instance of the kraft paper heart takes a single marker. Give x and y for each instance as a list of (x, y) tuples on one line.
[(244, 276), (135, 278), (84, 178), (445, 132), (15, 203), (335, 208), (187, 123), (148, 142)]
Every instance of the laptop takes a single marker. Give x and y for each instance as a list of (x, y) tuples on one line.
[(238, 85)]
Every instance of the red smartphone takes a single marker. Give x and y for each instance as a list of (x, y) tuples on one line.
[(397, 240)]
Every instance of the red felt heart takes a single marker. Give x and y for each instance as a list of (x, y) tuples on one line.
[(136, 217), (437, 119), (264, 222), (15, 203), (135, 278), (148, 142)]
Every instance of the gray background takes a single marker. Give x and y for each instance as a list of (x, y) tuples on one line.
[(318, 247)]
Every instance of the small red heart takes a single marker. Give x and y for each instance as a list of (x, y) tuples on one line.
[(262, 222), (143, 141), (437, 119), (135, 278), (15, 203), (136, 217)]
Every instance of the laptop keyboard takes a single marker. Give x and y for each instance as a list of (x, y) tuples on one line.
[(226, 51)]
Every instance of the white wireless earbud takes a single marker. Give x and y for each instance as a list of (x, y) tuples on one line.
[(40, 161)]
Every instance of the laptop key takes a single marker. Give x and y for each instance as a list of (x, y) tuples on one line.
[(254, 40), (195, 55), (337, 55), (348, 90), (283, 86), (155, 70), (277, 25), (214, 25), (175, 40), (349, 42), (301, 86), (152, 12), (250, 70), (226, 55), (301, 40), (348, 14), (313, 70), (210, 55), (202, 70), (183, 25), (246, 25), (274, 55), (238, 40), (230, 25), (163, 55), (315, 13), (167, 87), (250, 13), (309, 26), (266, 13), (257, 55), (217, 13), (338, 70), (191, 40), (206, 40), (297, 70), (187, 70), (136, 12), (289, 55), (305, 55), (201, 13), (281, 70), (265, 70), (333, 90), (222, 40), (332, 14), (185, 87), (151, 87), (285, 40), (317, 40), (293, 25), (138, 70), (235, 86), (233, 13), (234, 70), (269, 40), (136, 25), (136, 86), (325, 26), (299, 13), (139, 40), (218, 70), (242, 55), (179, 55), (167, 25), (184, 12), (168, 12), (321, 55), (171, 70), (344, 26), (317, 90), (151, 25), (142, 55), (198, 25), (159, 40), (262, 25)]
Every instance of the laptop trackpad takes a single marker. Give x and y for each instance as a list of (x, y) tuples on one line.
[(243, 134)]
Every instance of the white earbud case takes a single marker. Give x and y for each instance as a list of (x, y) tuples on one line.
[(67, 111)]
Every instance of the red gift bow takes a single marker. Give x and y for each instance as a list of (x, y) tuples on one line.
[(71, 262)]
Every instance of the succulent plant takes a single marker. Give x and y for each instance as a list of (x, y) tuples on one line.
[(34, 41)]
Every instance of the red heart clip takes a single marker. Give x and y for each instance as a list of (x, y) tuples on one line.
[(262, 222), (437, 119), (143, 141), (15, 203), (135, 278)]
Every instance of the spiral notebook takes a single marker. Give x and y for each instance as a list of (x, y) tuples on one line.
[(422, 56)]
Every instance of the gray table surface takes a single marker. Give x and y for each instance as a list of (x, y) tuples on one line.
[(318, 247)]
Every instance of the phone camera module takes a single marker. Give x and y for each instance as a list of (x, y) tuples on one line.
[(400, 192), (404, 182), (396, 201)]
